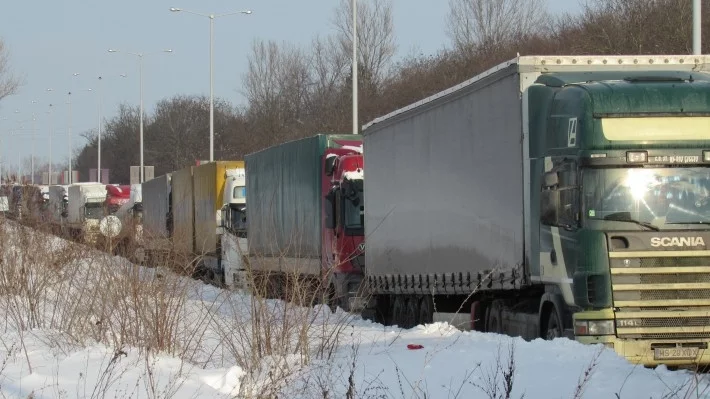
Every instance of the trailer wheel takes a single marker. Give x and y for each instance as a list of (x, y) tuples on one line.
[(383, 314), (426, 310), (412, 312), (330, 299), (399, 307), (493, 319), (553, 327)]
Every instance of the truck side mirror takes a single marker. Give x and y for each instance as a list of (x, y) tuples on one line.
[(551, 179), (549, 206), (329, 164)]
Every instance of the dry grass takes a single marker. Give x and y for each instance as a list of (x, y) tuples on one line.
[(90, 296)]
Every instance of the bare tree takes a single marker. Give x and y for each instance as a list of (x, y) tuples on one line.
[(375, 36), (622, 27), (329, 68), (277, 86), (119, 142), (328, 65), (488, 25), (8, 82), (178, 134)]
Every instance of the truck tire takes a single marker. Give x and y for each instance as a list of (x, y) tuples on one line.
[(493, 317), (553, 327), (426, 310), (330, 299), (412, 312), (383, 311), (399, 308)]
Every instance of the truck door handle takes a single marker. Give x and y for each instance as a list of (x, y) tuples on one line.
[(553, 257)]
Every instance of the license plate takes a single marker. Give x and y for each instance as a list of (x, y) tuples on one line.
[(675, 353)]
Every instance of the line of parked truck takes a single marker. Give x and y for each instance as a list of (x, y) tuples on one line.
[(107, 216), (546, 197)]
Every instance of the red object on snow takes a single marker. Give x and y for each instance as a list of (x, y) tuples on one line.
[(414, 346)]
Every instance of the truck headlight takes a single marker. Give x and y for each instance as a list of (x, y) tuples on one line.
[(594, 327)]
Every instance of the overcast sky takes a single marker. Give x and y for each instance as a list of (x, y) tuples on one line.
[(50, 41)]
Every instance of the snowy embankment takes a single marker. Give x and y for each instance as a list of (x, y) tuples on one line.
[(79, 324)]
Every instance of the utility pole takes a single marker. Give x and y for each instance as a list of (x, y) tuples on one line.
[(69, 134), (354, 66), (697, 49)]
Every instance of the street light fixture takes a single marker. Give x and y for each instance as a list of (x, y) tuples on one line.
[(140, 69), (212, 18)]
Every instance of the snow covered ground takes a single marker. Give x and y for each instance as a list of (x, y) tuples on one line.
[(42, 363), (218, 348)]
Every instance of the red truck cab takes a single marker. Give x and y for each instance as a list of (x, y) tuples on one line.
[(343, 260), (115, 197)]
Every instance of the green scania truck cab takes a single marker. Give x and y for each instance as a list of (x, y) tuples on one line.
[(625, 207)]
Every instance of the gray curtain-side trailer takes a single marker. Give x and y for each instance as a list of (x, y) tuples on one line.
[(444, 191)]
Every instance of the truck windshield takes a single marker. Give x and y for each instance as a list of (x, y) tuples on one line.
[(239, 192), (660, 196), (93, 210)]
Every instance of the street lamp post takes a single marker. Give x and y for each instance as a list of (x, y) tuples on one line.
[(98, 145), (71, 178), (354, 66), (75, 74), (100, 104), (697, 27), (211, 18), (1, 158), (51, 132), (69, 137), (32, 159), (140, 78)]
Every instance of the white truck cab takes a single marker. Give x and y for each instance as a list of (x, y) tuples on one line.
[(233, 224), (85, 210)]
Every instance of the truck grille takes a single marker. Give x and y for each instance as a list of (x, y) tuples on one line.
[(661, 295)]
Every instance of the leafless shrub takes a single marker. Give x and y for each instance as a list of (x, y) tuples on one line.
[(587, 375), (498, 381)]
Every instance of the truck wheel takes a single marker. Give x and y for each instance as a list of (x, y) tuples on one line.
[(399, 307), (493, 320), (426, 310), (383, 314), (330, 299), (553, 328), (412, 312)]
